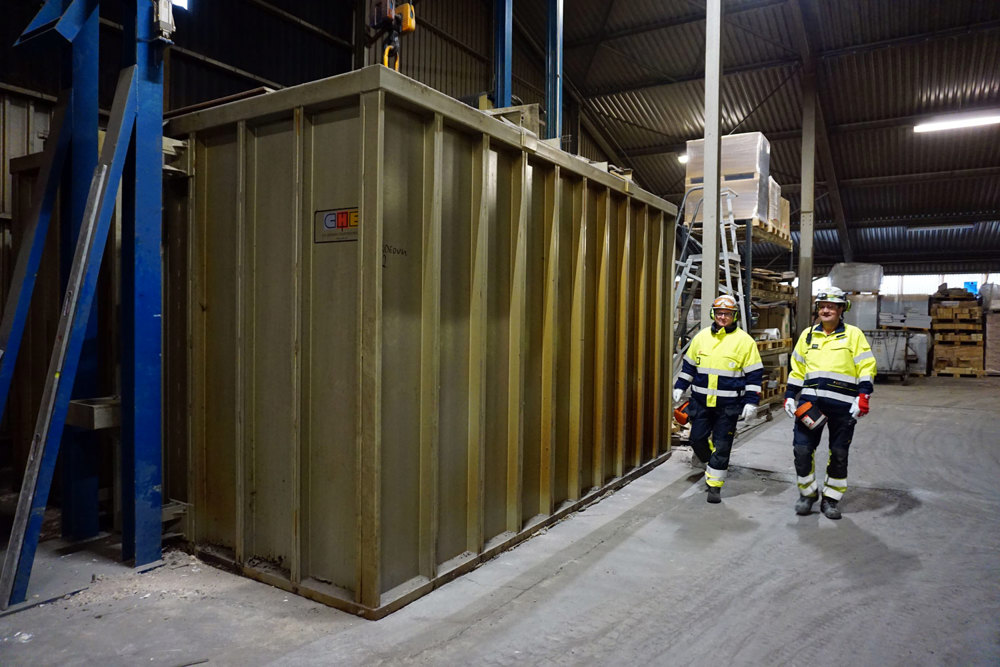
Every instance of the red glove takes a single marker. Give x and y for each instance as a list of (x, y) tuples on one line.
[(863, 403)]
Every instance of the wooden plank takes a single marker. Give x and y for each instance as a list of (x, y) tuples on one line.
[(550, 339), (370, 336), (475, 517), (430, 346)]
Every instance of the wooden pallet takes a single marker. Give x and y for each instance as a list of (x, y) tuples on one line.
[(957, 326), (958, 338), (770, 395), (763, 345), (955, 371), (900, 327)]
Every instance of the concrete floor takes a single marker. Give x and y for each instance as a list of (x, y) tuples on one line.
[(649, 575)]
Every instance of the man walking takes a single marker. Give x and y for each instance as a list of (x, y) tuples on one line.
[(723, 368), (833, 367)]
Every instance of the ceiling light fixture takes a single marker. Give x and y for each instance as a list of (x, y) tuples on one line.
[(683, 158), (959, 121), (959, 227)]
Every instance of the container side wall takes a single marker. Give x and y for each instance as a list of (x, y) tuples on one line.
[(535, 307), (270, 314), (330, 496), (564, 306), (497, 345), (587, 461), (457, 208), (216, 265), (401, 320)]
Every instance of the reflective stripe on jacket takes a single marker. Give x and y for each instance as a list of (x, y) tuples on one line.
[(837, 366), (722, 366)]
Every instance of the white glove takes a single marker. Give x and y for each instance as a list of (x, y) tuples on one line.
[(749, 411), (855, 408), (677, 395), (790, 407)]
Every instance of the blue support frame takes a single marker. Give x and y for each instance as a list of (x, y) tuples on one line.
[(81, 449), (503, 28), (142, 302), (74, 317), (134, 136), (554, 71)]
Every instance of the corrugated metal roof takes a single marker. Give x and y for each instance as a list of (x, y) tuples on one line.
[(880, 65)]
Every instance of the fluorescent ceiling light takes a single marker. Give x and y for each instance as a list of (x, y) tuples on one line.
[(683, 158), (959, 121), (183, 4), (943, 228)]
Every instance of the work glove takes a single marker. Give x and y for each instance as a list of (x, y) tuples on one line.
[(749, 411), (860, 406), (677, 395), (790, 407)]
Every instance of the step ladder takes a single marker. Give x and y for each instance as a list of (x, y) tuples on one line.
[(688, 273)]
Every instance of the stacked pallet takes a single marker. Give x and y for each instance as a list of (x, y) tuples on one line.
[(774, 384), (958, 338), (992, 364)]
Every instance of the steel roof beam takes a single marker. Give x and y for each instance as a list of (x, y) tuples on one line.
[(822, 55), (592, 41), (906, 179), (823, 152)]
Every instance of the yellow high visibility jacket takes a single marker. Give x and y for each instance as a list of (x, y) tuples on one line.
[(722, 366), (836, 366)]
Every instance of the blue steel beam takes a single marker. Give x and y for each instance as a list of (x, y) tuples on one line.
[(503, 29), (69, 341), (554, 71), (29, 255), (142, 281), (81, 449), (56, 17)]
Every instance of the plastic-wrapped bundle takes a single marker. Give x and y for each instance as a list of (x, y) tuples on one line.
[(856, 277)]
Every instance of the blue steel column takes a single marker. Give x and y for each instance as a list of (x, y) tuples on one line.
[(553, 71), (503, 28), (142, 295), (81, 449)]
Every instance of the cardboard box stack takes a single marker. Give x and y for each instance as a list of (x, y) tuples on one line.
[(957, 324), (746, 162)]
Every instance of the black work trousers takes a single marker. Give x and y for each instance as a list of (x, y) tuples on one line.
[(720, 424), (840, 424)]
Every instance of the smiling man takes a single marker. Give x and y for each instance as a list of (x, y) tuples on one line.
[(722, 366), (833, 367)]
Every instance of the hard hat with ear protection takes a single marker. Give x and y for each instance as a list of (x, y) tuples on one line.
[(725, 302), (832, 295)]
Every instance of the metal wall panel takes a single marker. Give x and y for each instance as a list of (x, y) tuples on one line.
[(24, 124), (376, 413)]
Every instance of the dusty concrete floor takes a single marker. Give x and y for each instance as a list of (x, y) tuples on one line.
[(650, 575)]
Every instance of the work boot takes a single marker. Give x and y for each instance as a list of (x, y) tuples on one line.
[(829, 508), (714, 495), (804, 505)]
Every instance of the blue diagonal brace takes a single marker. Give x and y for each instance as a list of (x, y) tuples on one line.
[(56, 17), (73, 318), (29, 256)]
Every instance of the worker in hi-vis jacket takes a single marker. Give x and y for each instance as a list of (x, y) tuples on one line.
[(833, 367), (722, 366)]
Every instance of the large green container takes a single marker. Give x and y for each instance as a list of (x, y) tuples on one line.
[(417, 334)]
